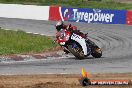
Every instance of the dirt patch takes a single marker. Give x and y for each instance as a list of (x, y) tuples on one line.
[(59, 81)]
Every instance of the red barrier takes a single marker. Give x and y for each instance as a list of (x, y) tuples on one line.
[(54, 13), (129, 17)]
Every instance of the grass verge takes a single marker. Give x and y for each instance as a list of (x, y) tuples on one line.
[(18, 42), (104, 4)]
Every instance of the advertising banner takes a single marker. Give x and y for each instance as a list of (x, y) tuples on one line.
[(129, 17), (54, 14), (93, 15)]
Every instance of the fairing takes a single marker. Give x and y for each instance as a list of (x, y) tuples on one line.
[(81, 41)]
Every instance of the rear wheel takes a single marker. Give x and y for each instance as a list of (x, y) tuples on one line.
[(77, 52), (96, 52)]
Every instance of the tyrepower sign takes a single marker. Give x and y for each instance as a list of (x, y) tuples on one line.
[(93, 15)]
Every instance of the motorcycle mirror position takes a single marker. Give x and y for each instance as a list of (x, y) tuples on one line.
[(77, 43)]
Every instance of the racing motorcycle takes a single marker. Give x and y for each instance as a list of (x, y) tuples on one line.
[(78, 44)]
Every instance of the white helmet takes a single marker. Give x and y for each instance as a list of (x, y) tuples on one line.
[(59, 25)]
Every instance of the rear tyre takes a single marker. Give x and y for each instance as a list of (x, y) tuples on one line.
[(96, 52)]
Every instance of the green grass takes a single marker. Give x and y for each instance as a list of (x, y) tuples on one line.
[(18, 42), (104, 4)]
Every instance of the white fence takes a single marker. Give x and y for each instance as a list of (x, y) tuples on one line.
[(24, 11)]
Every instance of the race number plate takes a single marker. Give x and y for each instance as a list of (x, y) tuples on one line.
[(75, 36)]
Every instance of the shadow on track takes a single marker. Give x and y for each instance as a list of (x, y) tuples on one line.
[(74, 58)]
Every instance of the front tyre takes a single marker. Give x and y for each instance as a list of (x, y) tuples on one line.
[(96, 52), (77, 52)]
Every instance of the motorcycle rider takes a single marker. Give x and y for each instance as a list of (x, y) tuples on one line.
[(61, 26)]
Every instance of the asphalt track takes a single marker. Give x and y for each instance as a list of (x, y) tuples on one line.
[(115, 41)]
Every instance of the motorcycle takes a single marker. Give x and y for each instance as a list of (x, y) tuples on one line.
[(78, 44)]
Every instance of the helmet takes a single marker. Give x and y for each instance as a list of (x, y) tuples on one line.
[(59, 25)]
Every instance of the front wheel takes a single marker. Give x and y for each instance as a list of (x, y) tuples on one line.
[(96, 52), (77, 52)]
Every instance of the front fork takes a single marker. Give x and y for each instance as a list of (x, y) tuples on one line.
[(65, 49), (89, 48)]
